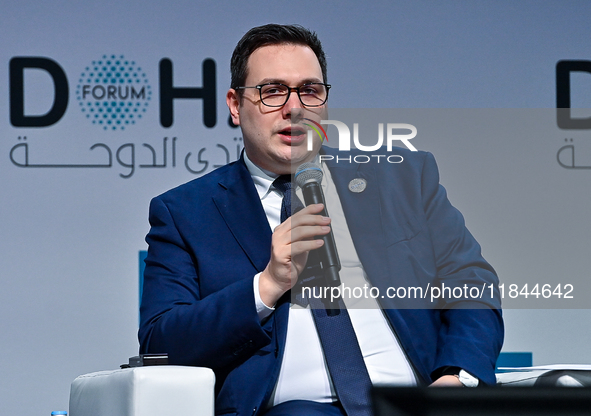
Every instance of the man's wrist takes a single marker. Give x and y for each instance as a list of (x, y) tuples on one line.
[(263, 310), (467, 379)]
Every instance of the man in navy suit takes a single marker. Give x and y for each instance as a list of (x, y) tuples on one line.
[(221, 264)]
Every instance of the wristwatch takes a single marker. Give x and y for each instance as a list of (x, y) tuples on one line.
[(467, 379)]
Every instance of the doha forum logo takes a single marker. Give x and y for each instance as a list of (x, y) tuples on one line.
[(113, 92)]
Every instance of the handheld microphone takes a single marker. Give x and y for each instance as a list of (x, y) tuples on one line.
[(308, 177)]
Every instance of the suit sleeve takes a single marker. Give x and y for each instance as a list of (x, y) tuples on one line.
[(217, 330), (472, 331)]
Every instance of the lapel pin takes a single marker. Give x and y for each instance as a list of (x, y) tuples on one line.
[(357, 185)]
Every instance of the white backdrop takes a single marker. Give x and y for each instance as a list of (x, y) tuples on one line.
[(71, 235)]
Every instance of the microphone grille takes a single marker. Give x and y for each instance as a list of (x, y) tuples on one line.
[(308, 172)]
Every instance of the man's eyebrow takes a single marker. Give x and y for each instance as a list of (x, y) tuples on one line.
[(282, 81)]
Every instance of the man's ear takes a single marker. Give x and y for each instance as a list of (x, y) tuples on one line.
[(233, 102)]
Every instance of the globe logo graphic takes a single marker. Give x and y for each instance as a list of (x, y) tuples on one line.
[(113, 92)]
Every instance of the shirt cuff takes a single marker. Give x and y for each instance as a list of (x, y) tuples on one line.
[(263, 311)]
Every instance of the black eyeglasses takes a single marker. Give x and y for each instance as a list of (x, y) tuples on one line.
[(276, 95)]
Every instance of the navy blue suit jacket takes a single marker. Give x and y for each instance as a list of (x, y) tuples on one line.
[(209, 237)]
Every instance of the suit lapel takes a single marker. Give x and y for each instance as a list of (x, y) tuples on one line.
[(363, 214), (366, 222), (239, 204)]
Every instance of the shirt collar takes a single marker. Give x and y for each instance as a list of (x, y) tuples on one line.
[(263, 179)]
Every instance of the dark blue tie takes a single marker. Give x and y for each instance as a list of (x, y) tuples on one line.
[(337, 336), (283, 183)]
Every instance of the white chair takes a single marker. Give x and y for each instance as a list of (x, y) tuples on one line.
[(189, 391), (144, 391)]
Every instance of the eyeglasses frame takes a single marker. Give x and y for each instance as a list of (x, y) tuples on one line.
[(289, 90)]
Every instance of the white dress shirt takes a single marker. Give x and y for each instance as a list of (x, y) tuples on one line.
[(304, 374)]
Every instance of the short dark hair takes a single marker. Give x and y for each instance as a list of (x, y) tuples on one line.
[(272, 34)]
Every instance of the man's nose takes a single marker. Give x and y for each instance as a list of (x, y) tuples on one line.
[(293, 102)]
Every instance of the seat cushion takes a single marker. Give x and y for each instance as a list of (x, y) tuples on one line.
[(144, 391)]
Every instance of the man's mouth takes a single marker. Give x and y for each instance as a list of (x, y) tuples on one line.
[(293, 132)]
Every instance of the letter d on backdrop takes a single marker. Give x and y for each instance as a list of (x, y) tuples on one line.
[(17, 92), (563, 90)]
